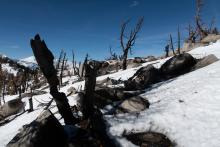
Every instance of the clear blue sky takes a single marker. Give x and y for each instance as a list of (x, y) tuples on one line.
[(90, 26)]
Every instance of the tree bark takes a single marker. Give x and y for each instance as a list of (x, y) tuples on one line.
[(90, 82), (45, 58), (124, 63)]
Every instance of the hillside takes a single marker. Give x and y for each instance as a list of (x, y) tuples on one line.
[(185, 109)]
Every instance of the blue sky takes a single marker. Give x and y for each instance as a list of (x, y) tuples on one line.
[(91, 26)]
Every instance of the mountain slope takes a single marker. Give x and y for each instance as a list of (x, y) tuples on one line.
[(186, 108), (28, 62)]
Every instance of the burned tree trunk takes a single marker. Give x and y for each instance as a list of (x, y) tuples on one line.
[(171, 45), (31, 102), (62, 68), (167, 51), (178, 40), (45, 58), (90, 82), (124, 62), (59, 60)]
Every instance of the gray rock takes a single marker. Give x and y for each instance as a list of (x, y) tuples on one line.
[(71, 90), (205, 61), (133, 105), (144, 77), (11, 107), (178, 65), (45, 131), (210, 38), (149, 139)]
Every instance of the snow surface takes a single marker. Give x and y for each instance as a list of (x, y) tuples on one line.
[(186, 109), (29, 62), (9, 69)]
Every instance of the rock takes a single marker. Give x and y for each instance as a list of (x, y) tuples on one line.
[(133, 105), (106, 96), (150, 59), (11, 107), (45, 131), (210, 38), (144, 77), (109, 66), (177, 65), (205, 61), (71, 90), (138, 60), (149, 139), (133, 65), (81, 70)]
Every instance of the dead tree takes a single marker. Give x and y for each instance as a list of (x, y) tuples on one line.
[(45, 58), (178, 48), (31, 101), (167, 50), (97, 123), (202, 32), (62, 68), (192, 34), (83, 66), (113, 55), (171, 45), (130, 40), (90, 82), (59, 60)]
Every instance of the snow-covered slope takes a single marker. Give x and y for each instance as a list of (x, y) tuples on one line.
[(29, 62), (186, 109)]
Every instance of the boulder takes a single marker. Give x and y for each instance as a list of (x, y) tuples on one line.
[(106, 96), (45, 131), (108, 81), (138, 60), (133, 65), (149, 139), (210, 38), (178, 65), (205, 61), (133, 105), (150, 59), (71, 90), (11, 107), (144, 77)]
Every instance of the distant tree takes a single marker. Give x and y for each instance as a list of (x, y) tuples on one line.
[(62, 68), (113, 55), (203, 32), (192, 34), (130, 40), (171, 45), (59, 60), (167, 50), (178, 48), (1, 82)]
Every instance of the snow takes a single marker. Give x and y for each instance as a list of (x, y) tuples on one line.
[(186, 108), (29, 59), (29, 62), (8, 68)]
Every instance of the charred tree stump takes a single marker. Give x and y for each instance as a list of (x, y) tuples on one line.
[(90, 82), (97, 123), (31, 102), (45, 58)]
